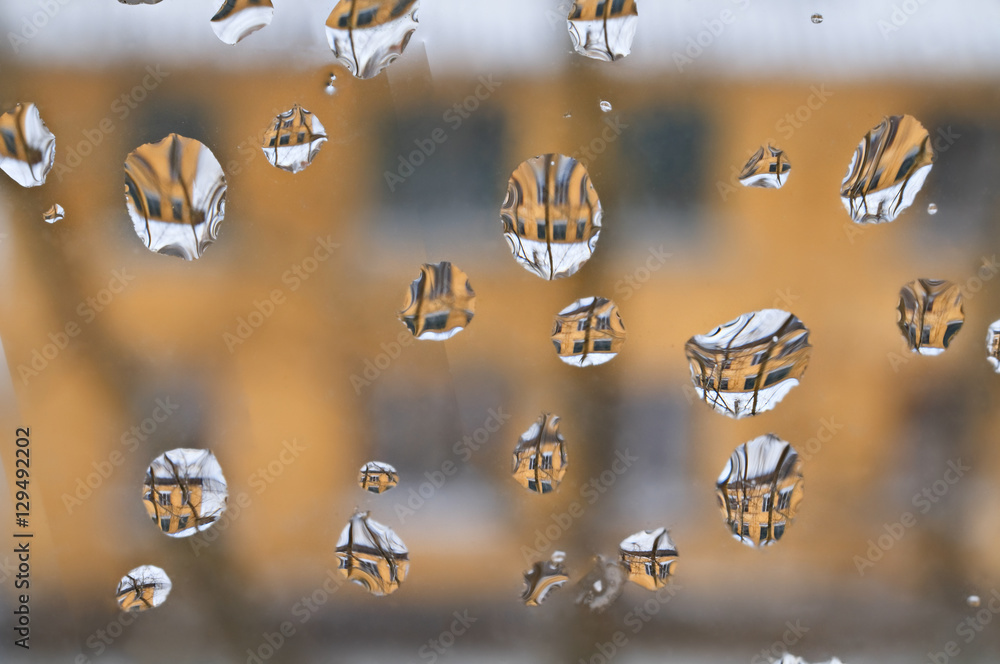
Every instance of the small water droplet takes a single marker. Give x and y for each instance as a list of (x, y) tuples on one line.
[(377, 477), (740, 369), (588, 332), (551, 215), (817, 18), (887, 170), (602, 585), (606, 106), (139, 2), (932, 209), (366, 37), (567, 115), (184, 491), (293, 139), (29, 148), (649, 558), (54, 214), (237, 20), (544, 577), (145, 587), (993, 345), (175, 191), (930, 314), (768, 168), (759, 490), (540, 458), (372, 555), (440, 302), (331, 85), (973, 601), (605, 30)]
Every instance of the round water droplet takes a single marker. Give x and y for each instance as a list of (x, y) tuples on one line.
[(930, 314), (293, 140), (28, 150), (184, 491), (973, 601), (540, 458), (54, 214), (544, 577), (175, 191), (377, 477), (145, 587), (372, 555), (235, 21), (603, 30), (932, 209), (606, 106), (817, 18), (588, 332), (439, 304), (367, 37), (649, 558)]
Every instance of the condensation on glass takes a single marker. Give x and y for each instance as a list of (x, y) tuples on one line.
[(377, 477), (440, 302), (29, 148), (603, 29), (540, 459), (238, 19), (602, 586), (372, 555), (588, 332), (649, 558), (749, 364), (175, 192), (768, 168), (143, 588), (930, 314), (551, 215), (366, 36), (184, 491), (293, 139), (544, 577)]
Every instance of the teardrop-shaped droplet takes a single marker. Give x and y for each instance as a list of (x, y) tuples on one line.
[(372, 555), (930, 314), (238, 19), (28, 150), (540, 459), (588, 332), (143, 588), (366, 36), (649, 558), (293, 139), (185, 491), (603, 30), (377, 477), (54, 214), (768, 168), (440, 302)]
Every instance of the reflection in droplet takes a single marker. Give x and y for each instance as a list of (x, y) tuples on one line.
[(551, 215), (649, 558), (603, 30), (759, 490), (176, 196), (29, 148), (293, 139), (930, 314), (372, 555), (993, 345), (544, 577), (768, 168), (606, 106), (440, 302), (540, 459), (817, 18), (145, 587), (377, 477), (331, 85), (588, 332), (749, 364), (238, 19), (887, 170), (54, 214), (184, 491), (602, 585), (366, 36), (932, 208), (973, 601)]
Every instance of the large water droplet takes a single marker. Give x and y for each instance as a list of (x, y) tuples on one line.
[(817, 18), (145, 587), (540, 459), (602, 585), (293, 139), (176, 196), (366, 36), (54, 214), (749, 364), (377, 477), (930, 314), (603, 30), (768, 168), (551, 215), (544, 577), (238, 19), (439, 304), (184, 491), (372, 555), (887, 170), (993, 345), (649, 558), (588, 332), (760, 489), (28, 149)]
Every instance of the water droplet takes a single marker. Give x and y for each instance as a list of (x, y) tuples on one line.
[(54, 214), (993, 345), (540, 457), (145, 587), (588, 332), (175, 191), (372, 555), (930, 314), (551, 215), (887, 170), (238, 19), (973, 601), (602, 585), (604, 30), (932, 209), (749, 364), (768, 168), (440, 302), (184, 491), (649, 558), (366, 36), (606, 106), (293, 139), (544, 577), (28, 149), (331, 85), (567, 115), (760, 489), (377, 477), (817, 18), (139, 2)]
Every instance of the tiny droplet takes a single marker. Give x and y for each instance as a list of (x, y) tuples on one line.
[(606, 106), (972, 600), (932, 209), (817, 18)]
